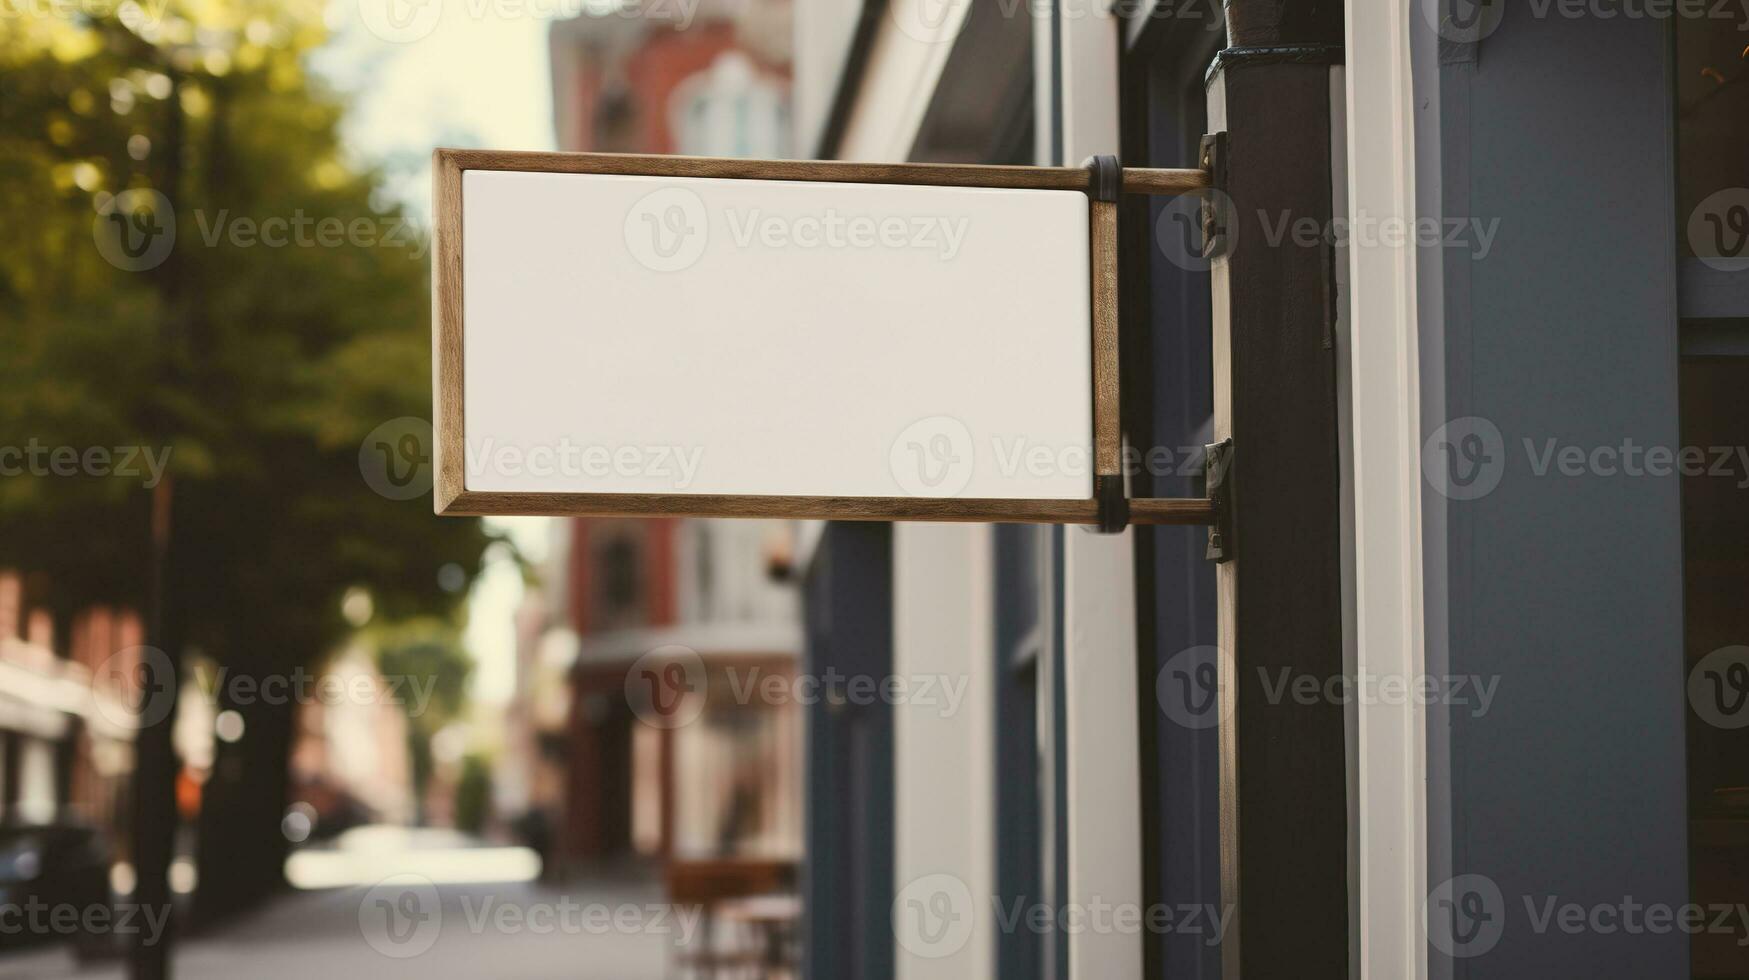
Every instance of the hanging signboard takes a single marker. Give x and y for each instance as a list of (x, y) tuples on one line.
[(676, 336)]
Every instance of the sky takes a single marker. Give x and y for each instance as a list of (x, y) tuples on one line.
[(455, 73), (427, 73)]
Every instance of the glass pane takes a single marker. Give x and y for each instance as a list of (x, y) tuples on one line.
[(1715, 512), (1712, 91)]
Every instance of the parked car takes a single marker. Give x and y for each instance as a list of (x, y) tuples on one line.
[(46, 867)]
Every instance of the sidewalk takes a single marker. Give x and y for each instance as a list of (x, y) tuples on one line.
[(503, 931)]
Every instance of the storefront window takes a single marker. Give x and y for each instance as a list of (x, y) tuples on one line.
[(1713, 232), (1712, 93)]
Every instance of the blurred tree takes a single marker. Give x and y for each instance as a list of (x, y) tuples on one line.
[(428, 652), (260, 368), (473, 794)]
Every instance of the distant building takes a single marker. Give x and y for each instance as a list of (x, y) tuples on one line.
[(715, 86), (350, 757), (591, 768), (67, 711), (729, 779), (588, 767)]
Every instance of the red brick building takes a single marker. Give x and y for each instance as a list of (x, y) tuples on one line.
[(729, 780)]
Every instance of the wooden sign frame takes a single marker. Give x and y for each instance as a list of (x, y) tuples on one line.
[(453, 498)]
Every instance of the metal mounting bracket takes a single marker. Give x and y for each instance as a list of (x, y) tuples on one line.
[(1107, 181), (1213, 158), (1218, 473)]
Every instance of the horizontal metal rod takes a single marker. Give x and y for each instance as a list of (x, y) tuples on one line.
[(1136, 180), (1168, 510), (1140, 180), (950, 509)]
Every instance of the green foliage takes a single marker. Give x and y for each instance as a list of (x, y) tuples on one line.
[(473, 793), (426, 652), (260, 369)]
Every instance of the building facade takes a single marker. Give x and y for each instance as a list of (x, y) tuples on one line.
[(629, 761), (649, 765), (1459, 700), (68, 711)]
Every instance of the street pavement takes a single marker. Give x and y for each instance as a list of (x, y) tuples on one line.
[(410, 928)]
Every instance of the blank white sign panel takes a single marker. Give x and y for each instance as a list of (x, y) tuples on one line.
[(654, 335)]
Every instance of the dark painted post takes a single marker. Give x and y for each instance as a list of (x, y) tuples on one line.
[(1284, 810)]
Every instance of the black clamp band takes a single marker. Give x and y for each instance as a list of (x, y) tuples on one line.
[(1105, 184), (1104, 178), (1113, 503)]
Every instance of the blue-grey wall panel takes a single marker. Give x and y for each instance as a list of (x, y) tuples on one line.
[(1554, 135), (1019, 841), (848, 879)]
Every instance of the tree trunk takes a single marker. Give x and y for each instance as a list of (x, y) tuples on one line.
[(241, 849)]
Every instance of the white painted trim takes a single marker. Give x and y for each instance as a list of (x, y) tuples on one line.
[(1088, 45), (1104, 768), (1099, 596), (904, 66), (1090, 77), (944, 758), (1390, 751)]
